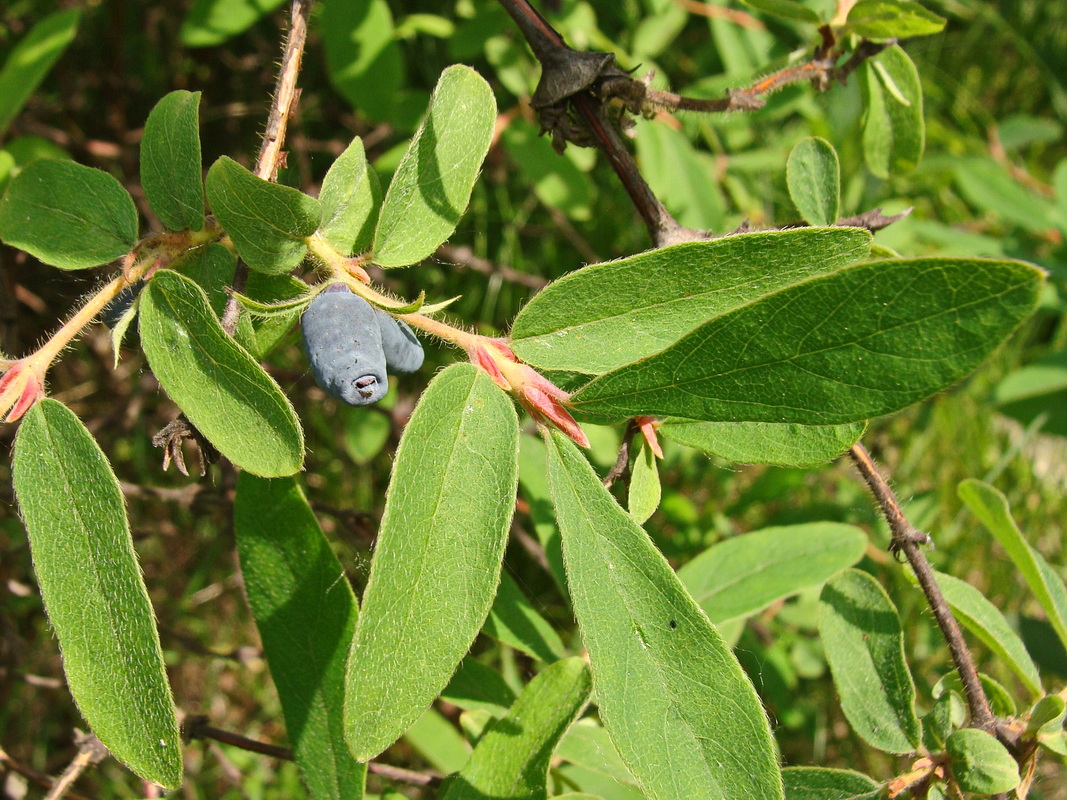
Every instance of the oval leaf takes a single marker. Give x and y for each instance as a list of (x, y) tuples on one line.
[(654, 655), (783, 444), (362, 55), (68, 215), (216, 383), (608, 315), (894, 133), (93, 591), (437, 558), (980, 763), (212, 22), (171, 172), (350, 198), (865, 341), (814, 178), (864, 645), (269, 223), (432, 184), (891, 19), (743, 575), (818, 783), (511, 760), (31, 59), (306, 613)]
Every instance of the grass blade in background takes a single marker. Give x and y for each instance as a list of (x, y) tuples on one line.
[(437, 559), (306, 613), (865, 341), (93, 591), (217, 384), (171, 172), (514, 621), (743, 575), (655, 657), (864, 645), (511, 760), (608, 315), (432, 186)]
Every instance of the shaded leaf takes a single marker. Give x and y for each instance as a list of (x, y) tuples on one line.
[(269, 223), (514, 621), (362, 57), (980, 763), (93, 591), (864, 645), (819, 783), (68, 215), (211, 22), (512, 758), (171, 172), (449, 514), (215, 382), (743, 575), (432, 185), (476, 686), (683, 178), (894, 133), (864, 341), (608, 315), (783, 444), (32, 58), (814, 178), (306, 612), (654, 655)]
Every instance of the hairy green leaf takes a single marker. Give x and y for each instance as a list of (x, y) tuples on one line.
[(511, 760), (269, 223), (865, 341), (892, 19), (32, 58), (68, 215), (783, 444), (306, 613), (608, 315), (894, 133), (743, 575), (644, 492), (432, 185), (437, 559), (814, 178), (819, 783), (654, 655), (171, 172), (221, 389), (980, 763), (864, 645), (350, 198), (93, 591)]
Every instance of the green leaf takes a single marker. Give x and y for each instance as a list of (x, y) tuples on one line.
[(306, 613), (654, 655), (1037, 389), (644, 491), (894, 133), (433, 183), (476, 686), (365, 432), (991, 509), (171, 172), (362, 57), (436, 739), (588, 745), (980, 763), (786, 9), (865, 341), (743, 575), (350, 198), (68, 215), (93, 591), (212, 22), (814, 178), (31, 60), (783, 444), (269, 223), (683, 178), (819, 783), (891, 19), (511, 760), (990, 188), (533, 485), (864, 645), (218, 385), (985, 621), (557, 182), (437, 559), (608, 315), (514, 621)]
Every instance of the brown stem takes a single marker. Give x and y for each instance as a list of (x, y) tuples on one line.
[(90, 751), (270, 152), (622, 462), (907, 539), (29, 773)]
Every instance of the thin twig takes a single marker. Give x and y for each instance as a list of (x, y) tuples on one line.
[(270, 152), (907, 539), (464, 256), (30, 773), (90, 751), (622, 462)]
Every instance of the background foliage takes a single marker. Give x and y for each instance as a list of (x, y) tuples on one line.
[(993, 181)]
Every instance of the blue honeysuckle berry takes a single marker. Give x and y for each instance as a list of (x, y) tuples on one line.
[(343, 341), (403, 351), (121, 303)]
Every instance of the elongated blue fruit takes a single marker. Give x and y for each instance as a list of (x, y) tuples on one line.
[(343, 341), (403, 351), (117, 308)]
